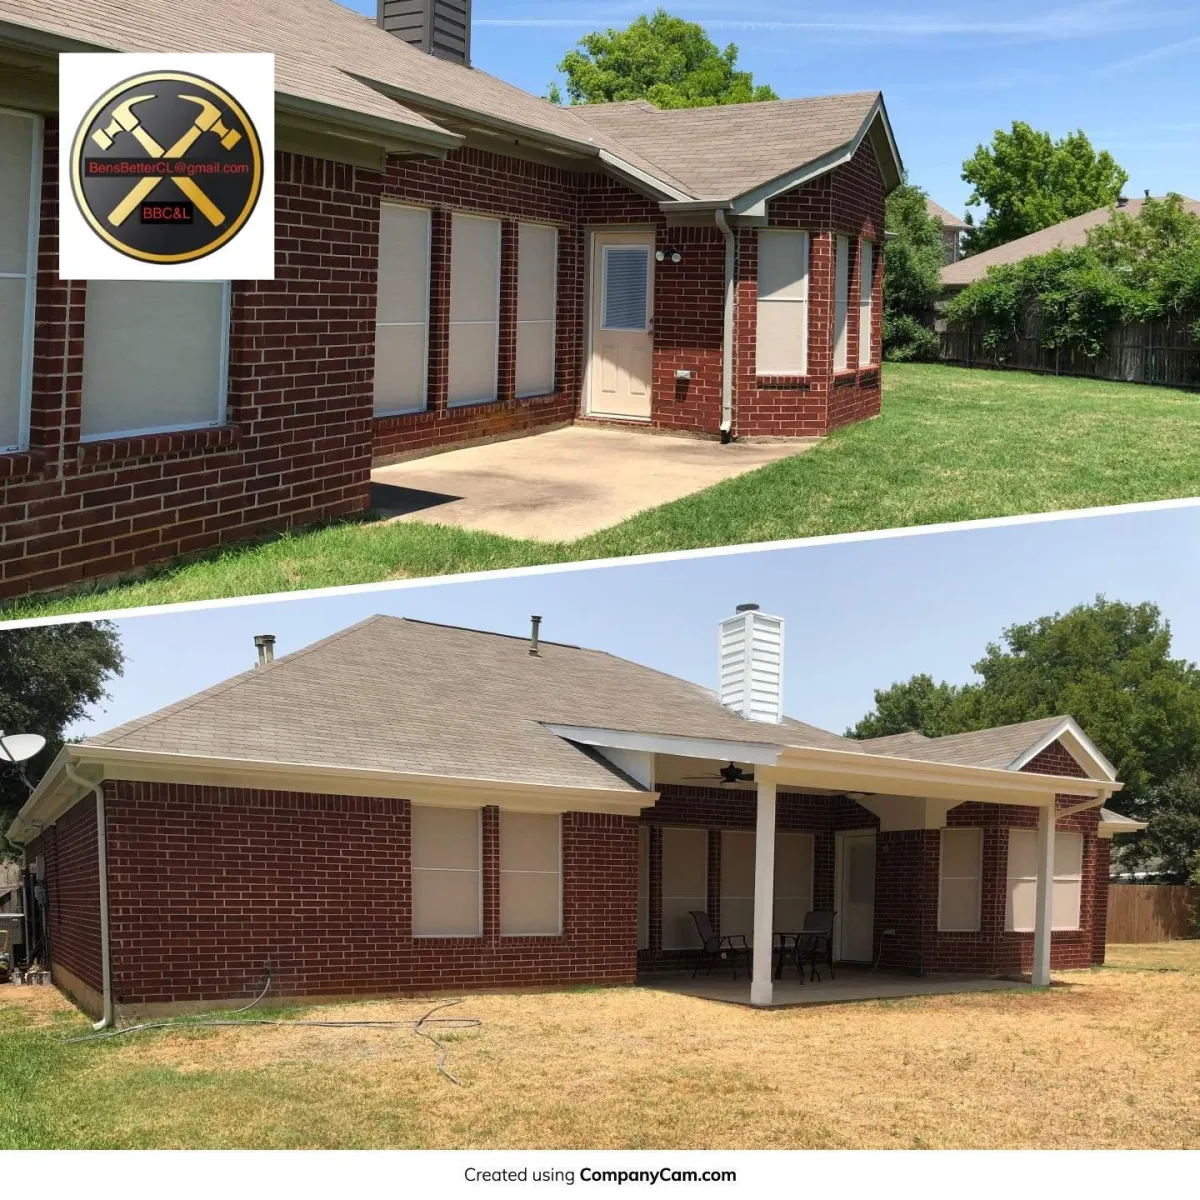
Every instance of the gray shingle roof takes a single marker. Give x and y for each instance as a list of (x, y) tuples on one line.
[(944, 217), (1066, 234), (727, 150), (329, 54), (392, 694), (998, 747), (397, 695)]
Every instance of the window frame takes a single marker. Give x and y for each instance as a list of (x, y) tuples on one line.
[(477, 872), (648, 250), (553, 318), (424, 406), (841, 303), (866, 302), (451, 322), (222, 415), (25, 388), (801, 301), (501, 872), (978, 878), (1010, 925)]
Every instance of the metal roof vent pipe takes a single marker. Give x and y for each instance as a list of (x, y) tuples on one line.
[(265, 644), (438, 27), (750, 667), (535, 624)]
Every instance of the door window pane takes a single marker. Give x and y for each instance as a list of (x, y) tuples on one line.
[(626, 288)]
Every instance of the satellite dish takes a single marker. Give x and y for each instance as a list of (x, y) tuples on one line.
[(18, 747)]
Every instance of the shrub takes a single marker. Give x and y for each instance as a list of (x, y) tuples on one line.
[(905, 339)]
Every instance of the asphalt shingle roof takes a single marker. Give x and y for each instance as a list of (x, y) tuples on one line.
[(329, 54), (405, 696)]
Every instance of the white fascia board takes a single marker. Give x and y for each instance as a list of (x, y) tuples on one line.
[(855, 771), (1077, 743), (51, 799), (347, 122), (758, 753), (1116, 823)]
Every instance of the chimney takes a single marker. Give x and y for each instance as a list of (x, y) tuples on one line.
[(535, 625), (439, 27), (265, 643), (751, 664)]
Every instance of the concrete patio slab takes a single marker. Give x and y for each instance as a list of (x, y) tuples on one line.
[(564, 484), (851, 984)]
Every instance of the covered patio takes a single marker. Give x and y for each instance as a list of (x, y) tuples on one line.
[(853, 983)]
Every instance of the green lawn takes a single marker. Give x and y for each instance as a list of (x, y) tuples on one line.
[(951, 445)]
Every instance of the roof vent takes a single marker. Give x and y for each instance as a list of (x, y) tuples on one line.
[(1122, 200), (439, 27), (535, 624), (750, 669), (265, 644)]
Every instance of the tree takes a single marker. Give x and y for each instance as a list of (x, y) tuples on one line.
[(913, 258), (666, 60), (1171, 844), (49, 675), (1107, 664), (1029, 182)]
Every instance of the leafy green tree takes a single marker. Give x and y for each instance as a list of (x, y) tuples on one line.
[(664, 59), (1029, 181), (913, 258), (1107, 664), (916, 704), (49, 675), (1171, 843)]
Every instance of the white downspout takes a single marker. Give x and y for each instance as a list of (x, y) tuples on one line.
[(106, 1018), (727, 348)]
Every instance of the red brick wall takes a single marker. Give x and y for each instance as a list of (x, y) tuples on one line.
[(848, 200), (511, 189), (72, 863), (208, 884), (297, 444)]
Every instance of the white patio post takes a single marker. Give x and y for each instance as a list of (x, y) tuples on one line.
[(1044, 916), (761, 987)]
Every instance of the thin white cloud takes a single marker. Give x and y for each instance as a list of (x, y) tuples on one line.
[(1157, 54)]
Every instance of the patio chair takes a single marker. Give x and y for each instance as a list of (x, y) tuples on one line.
[(713, 949), (816, 941)]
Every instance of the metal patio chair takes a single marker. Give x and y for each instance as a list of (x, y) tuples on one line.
[(714, 948), (815, 941)]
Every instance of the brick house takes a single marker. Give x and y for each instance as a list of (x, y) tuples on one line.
[(456, 260), (529, 814)]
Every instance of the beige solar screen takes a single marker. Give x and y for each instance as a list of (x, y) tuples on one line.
[(530, 874), (793, 881), (1021, 906), (537, 292), (446, 875), (684, 885), (402, 320), (18, 157), (474, 308), (960, 879), (781, 345)]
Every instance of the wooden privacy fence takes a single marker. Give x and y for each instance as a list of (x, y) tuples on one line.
[(1151, 912), (1161, 352)]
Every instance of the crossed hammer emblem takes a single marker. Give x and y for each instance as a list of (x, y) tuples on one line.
[(208, 120)]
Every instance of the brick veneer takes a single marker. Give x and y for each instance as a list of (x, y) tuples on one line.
[(300, 433), (208, 884), (296, 446), (69, 852)]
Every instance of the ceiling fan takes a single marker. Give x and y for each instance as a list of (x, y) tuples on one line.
[(730, 774)]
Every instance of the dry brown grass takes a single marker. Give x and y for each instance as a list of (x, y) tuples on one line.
[(1110, 1058)]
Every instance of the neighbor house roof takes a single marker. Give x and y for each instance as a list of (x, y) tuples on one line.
[(329, 58), (1065, 235), (944, 217)]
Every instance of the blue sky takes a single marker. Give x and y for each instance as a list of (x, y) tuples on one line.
[(859, 615), (1122, 70)]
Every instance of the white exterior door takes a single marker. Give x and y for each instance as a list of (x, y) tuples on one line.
[(622, 307), (854, 933)]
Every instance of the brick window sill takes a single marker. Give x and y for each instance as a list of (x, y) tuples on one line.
[(396, 420), (183, 441), (797, 383), (20, 464)]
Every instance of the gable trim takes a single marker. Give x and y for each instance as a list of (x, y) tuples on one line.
[(1076, 743)]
